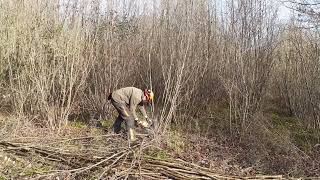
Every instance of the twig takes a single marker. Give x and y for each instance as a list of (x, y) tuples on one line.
[(114, 162)]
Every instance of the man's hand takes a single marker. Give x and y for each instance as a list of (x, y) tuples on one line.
[(150, 122)]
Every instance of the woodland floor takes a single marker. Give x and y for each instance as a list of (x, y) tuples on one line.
[(83, 152)]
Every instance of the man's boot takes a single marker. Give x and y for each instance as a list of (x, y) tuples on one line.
[(131, 135)]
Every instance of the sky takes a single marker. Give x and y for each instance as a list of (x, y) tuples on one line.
[(284, 12)]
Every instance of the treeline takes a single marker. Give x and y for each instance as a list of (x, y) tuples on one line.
[(60, 58)]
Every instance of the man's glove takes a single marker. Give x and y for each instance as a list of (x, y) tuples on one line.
[(143, 124)]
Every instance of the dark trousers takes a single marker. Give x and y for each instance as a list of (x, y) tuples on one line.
[(124, 115)]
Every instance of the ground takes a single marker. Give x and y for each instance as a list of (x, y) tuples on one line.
[(83, 151)]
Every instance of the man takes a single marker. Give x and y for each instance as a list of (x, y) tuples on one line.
[(126, 100)]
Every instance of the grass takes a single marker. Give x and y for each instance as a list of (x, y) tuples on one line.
[(78, 124), (162, 154), (305, 138), (19, 167), (107, 123), (175, 142), (30, 171)]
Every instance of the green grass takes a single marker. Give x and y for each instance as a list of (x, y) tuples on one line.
[(36, 170), (18, 167), (162, 154), (78, 124), (175, 142), (306, 139), (107, 123), (285, 122), (301, 136)]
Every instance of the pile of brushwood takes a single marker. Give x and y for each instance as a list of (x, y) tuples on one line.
[(104, 157)]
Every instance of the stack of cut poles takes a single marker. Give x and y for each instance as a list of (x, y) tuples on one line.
[(110, 159)]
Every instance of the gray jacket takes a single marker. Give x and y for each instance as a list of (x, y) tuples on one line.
[(131, 97)]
